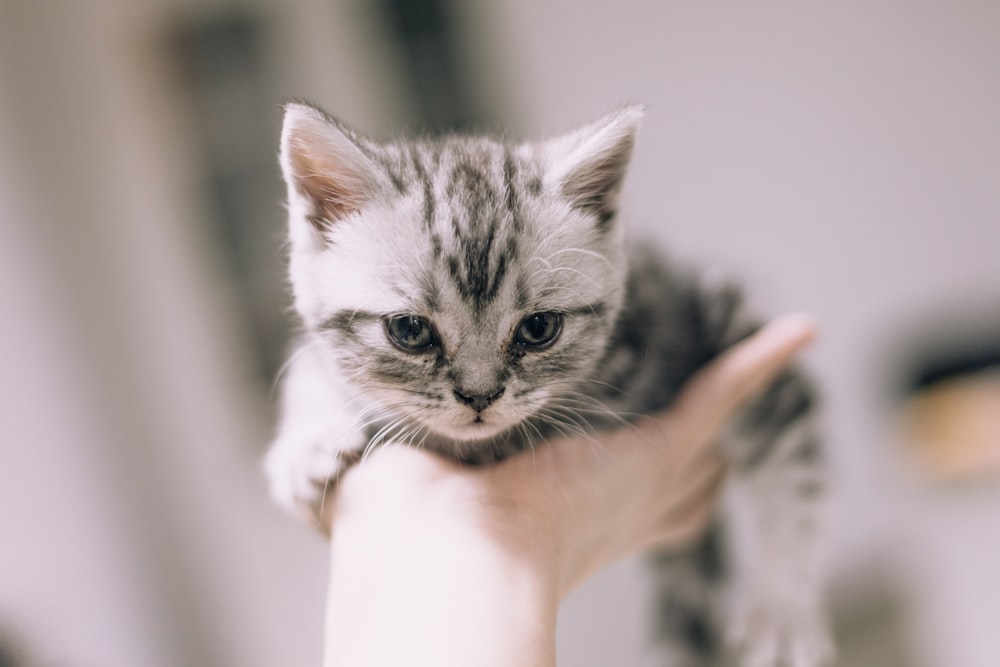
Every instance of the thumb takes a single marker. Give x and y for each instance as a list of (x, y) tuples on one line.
[(741, 371)]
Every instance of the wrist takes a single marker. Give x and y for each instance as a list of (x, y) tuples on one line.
[(419, 548)]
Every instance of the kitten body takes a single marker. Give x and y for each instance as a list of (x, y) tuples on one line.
[(474, 297)]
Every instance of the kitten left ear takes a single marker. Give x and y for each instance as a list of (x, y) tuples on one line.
[(325, 168), (588, 165)]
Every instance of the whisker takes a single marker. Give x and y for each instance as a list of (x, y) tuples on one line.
[(578, 272), (576, 424), (302, 349), (584, 251)]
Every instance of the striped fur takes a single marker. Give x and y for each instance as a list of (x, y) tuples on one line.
[(470, 237)]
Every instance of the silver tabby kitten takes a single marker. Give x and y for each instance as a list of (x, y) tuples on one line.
[(473, 296)]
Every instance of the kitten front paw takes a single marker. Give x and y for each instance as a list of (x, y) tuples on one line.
[(769, 632), (300, 469)]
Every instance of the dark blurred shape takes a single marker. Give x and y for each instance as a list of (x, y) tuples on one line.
[(10, 654), (948, 363), (223, 61), (950, 390), (433, 69), (870, 623)]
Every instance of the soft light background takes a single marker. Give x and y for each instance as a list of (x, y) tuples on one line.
[(842, 157)]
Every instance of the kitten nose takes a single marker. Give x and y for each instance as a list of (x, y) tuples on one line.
[(478, 402)]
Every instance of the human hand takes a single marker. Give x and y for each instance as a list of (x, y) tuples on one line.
[(421, 544)]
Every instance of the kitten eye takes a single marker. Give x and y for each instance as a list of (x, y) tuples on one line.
[(411, 333), (538, 330)]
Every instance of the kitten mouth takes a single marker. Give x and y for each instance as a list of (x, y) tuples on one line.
[(477, 428), (478, 425)]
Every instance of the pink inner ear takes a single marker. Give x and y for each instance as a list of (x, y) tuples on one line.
[(331, 186)]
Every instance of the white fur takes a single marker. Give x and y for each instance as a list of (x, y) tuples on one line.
[(777, 615)]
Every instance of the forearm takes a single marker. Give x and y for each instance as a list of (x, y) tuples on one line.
[(427, 579)]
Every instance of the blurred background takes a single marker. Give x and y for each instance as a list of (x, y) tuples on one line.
[(841, 157)]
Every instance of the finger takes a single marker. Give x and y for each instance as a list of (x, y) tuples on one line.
[(714, 393)]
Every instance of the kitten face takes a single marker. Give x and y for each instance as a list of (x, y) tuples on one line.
[(462, 283)]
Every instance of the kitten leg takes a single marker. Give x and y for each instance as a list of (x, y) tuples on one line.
[(687, 595), (319, 432), (778, 613)]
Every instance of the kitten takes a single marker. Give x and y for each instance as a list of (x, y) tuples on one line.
[(473, 296)]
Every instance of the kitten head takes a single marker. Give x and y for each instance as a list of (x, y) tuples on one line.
[(463, 282)]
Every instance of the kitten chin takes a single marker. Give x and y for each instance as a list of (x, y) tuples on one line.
[(483, 430), (475, 431)]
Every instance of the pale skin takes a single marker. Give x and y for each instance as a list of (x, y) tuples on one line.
[(437, 564)]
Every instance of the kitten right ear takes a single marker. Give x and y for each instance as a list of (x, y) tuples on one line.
[(589, 164), (326, 170)]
